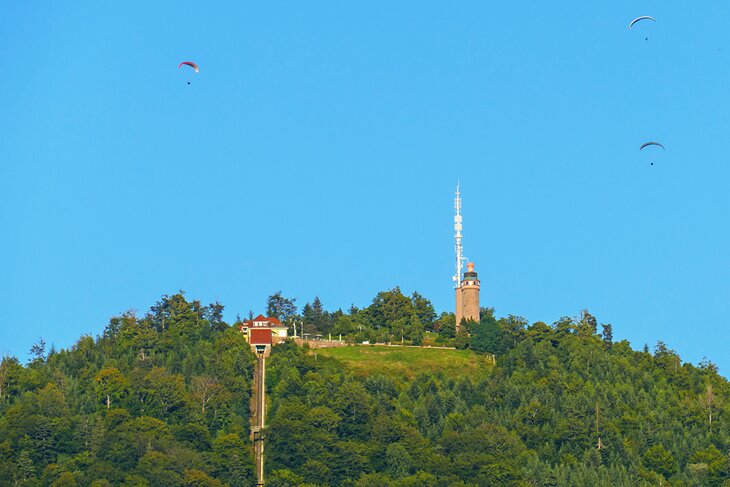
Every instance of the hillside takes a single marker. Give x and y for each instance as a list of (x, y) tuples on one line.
[(163, 400), (406, 363), (562, 407)]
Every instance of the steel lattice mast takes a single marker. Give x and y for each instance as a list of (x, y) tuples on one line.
[(457, 228)]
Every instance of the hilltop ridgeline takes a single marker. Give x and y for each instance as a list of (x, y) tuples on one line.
[(164, 400)]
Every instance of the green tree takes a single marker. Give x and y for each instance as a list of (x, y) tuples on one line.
[(197, 478), (415, 330), (280, 307), (316, 472), (214, 314), (486, 336), (607, 334), (194, 435), (111, 385), (513, 329), (284, 478), (231, 460), (163, 394), (462, 336), (398, 460), (446, 326), (132, 439), (344, 325), (588, 325), (38, 351), (389, 308), (26, 469), (176, 313), (716, 465), (353, 404), (424, 310), (66, 479), (658, 459), (158, 470), (10, 376)]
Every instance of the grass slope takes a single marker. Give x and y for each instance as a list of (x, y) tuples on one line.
[(407, 362)]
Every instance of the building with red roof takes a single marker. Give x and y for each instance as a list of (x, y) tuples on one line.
[(262, 332)]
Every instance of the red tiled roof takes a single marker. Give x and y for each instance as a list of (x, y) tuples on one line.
[(271, 321), (260, 336)]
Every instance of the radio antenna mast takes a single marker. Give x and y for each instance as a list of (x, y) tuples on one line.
[(457, 228)]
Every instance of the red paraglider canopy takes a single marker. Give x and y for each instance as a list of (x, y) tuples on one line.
[(191, 64)]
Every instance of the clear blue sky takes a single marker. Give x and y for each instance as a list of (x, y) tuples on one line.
[(318, 149)]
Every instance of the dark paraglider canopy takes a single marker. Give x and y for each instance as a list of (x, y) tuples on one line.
[(639, 19), (647, 144)]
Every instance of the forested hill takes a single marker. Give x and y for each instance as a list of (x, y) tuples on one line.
[(562, 407), (163, 400)]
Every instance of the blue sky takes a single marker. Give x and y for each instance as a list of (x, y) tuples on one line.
[(318, 149)]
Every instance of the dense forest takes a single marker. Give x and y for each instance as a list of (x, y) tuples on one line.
[(163, 400), (562, 407)]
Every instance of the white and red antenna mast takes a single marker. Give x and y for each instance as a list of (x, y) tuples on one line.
[(457, 228)]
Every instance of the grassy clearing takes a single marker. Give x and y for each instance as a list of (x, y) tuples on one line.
[(407, 363)]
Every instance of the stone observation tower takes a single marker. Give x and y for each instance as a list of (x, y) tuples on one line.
[(467, 286), (469, 294)]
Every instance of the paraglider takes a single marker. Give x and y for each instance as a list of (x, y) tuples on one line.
[(191, 64), (648, 144), (639, 19)]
